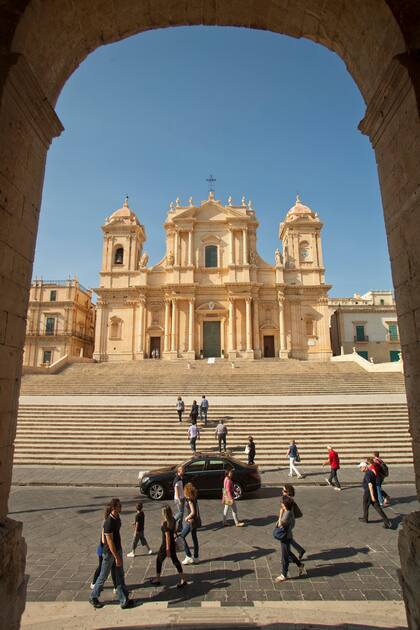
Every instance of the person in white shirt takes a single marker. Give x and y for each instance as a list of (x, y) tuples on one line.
[(194, 435), (220, 434), (179, 498)]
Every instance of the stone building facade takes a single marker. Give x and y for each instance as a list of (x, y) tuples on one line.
[(367, 323), (212, 295), (61, 320)]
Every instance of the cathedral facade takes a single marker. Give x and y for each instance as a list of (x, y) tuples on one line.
[(212, 295)]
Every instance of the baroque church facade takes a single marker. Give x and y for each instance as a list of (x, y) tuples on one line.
[(212, 295)]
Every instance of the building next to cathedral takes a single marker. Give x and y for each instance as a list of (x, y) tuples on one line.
[(212, 295)]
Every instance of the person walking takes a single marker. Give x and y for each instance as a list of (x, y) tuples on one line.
[(382, 471), (112, 555), (220, 434), (334, 462), (168, 548), (180, 407), (289, 491), (99, 553), (193, 435), (370, 494), (179, 498), (286, 522), (250, 449), (204, 408), (194, 411), (192, 523), (139, 532), (228, 499), (294, 457)]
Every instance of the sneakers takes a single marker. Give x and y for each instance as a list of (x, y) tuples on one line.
[(302, 570), (387, 526), (328, 481), (241, 524), (95, 603), (280, 578), (150, 552), (187, 560), (337, 489), (128, 604), (92, 586), (131, 554), (114, 590)]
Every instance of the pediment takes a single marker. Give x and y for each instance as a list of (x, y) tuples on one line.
[(210, 210)]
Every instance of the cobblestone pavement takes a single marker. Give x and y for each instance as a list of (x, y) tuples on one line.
[(346, 559)]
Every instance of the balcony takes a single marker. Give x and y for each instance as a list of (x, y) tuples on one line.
[(59, 333), (360, 339), (392, 338)]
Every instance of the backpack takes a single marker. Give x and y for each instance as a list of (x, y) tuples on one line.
[(384, 470)]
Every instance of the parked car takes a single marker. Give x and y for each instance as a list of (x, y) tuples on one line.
[(206, 472)]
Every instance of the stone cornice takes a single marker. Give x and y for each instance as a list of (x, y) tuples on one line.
[(29, 98), (386, 101)]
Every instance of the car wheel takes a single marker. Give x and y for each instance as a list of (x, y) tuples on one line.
[(237, 490), (156, 492)]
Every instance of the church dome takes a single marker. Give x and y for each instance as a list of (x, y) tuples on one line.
[(124, 214), (300, 210)]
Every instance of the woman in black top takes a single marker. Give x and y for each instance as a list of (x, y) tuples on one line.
[(194, 411), (168, 548), (191, 524)]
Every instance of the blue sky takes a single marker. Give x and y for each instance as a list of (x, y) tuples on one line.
[(267, 115)]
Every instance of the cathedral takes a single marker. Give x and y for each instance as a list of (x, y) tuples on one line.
[(212, 295)]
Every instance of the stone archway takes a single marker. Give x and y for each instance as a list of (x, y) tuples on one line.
[(43, 42)]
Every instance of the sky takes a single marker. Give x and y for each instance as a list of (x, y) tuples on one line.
[(269, 116)]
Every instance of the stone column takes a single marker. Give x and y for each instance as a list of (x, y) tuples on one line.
[(282, 332), (231, 245), (232, 325), (248, 302), (174, 325), (190, 257), (245, 246), (191, 325), (142, 314), (256, 323), (167, 331), (176, 246)]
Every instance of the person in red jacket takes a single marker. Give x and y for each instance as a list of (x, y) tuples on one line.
[(334, 463)]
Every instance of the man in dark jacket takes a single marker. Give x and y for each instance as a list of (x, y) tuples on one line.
[(370, 495)]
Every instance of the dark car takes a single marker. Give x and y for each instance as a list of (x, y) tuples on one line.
[(206, 472)]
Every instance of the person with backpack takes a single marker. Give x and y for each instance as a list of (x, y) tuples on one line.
[(294, 457), (191, 524), (220, 434), (284, 533), (382, 471), (180, 407), (289, 491), (204, 408), (334, 462)]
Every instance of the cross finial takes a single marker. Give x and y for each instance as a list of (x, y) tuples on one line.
[(211, 181), (126, 202)]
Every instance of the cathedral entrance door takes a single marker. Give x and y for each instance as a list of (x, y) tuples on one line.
[(269, 346), (154, 348), (211, 339)]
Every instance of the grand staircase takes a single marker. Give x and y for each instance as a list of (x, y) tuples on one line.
[(288, 377), (95, 430)]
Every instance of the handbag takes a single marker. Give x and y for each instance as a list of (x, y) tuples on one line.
[(280, 533), (226, 499), (297, 458), (297, 511)]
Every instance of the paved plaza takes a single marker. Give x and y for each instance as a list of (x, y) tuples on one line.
[(346, 560)]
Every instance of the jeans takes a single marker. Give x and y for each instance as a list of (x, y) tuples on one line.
[(193, 442), (179, 514), (367, 501), (381, 493), (108, 561), (222, 438), (185, 531), (333, 479), (234, 512), (286, 556), (203, 414), (98, 571), (298, 547)]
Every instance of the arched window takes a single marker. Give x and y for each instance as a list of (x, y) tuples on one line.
[(304, 251), (119, 256), (115, 328), (211, 256)]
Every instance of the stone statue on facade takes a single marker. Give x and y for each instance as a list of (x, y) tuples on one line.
[(172, 207), (144, 260), (190, 201), (170, 258), (243, 200), (229, 200), (279, 258)]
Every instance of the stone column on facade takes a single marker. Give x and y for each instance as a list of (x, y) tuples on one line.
[(191, 325), (319, 249), (142, 314), (232, 327), (248, 302), (167, 330), (245, 246), (174, 326), (190, 252), (282, 332), (176, 246), (231, 248), (256, 327)]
